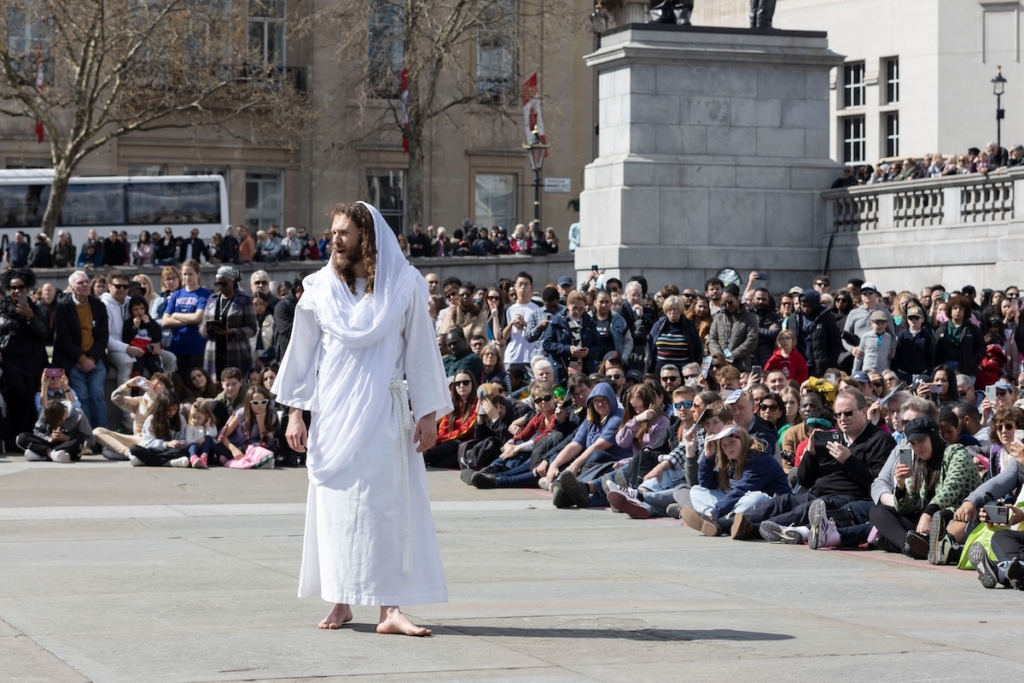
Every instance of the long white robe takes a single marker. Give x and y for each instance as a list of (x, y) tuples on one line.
[(355, 537)]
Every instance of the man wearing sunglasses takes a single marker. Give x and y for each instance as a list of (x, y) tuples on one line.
[(844, 473)]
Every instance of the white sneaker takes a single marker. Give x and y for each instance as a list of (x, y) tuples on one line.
[(544, 484), (180, 462), (610, 486), (60, 456), (135, 461), (32, 456)]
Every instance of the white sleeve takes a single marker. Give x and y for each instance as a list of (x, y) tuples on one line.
[(295, 385), (114, 342), (424, 371)]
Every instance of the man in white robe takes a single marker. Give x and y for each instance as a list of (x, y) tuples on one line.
[(360, 329)]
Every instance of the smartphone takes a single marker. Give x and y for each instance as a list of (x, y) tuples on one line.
[(998, 514), (705, 367), (830, 377), (53, 373), (905, 455), (23, 298), (1018, 435), (594, 267), (756, 370), (990, 393), (821, 441), (935, 388), (761, 275), (149, 348)]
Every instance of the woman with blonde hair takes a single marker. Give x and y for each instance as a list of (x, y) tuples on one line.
[(735, 474), (170, 282)]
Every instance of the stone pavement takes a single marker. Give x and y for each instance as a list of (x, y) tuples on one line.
[(113, 574)]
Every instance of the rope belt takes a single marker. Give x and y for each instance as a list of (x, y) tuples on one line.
[(400, 397)]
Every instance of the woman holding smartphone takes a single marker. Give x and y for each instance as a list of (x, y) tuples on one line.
[(22, 354), (927, 492)]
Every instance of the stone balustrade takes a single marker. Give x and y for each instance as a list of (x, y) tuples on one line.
[(904, 235), (951, 201)]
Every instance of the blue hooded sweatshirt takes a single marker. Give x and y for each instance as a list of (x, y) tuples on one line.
[(589, 432)]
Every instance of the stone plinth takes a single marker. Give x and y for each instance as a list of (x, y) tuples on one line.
[(713, 151)]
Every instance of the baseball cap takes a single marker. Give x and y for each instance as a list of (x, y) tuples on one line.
[(731, 430), (920, 428), (634, 376), (564, 281), (1004, 385), (880, 316), (868, 287), (915, 312), (860, 377), (612, 355)]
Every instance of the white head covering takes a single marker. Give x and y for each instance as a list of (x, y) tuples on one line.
[(356, 377)]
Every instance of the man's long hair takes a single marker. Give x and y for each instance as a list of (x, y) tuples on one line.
[(344, 265)]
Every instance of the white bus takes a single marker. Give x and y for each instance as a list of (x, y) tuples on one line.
[(122, 203)]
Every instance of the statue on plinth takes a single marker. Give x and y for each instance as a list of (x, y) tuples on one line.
[(671, 12), (761, 13)]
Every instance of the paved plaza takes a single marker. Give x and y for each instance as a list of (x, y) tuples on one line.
[(112, 574)]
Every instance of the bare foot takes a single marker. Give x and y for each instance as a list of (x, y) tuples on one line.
[(338, 617), (393, 621)]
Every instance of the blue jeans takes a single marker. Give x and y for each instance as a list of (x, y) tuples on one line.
[(704, 500), (90, 391)]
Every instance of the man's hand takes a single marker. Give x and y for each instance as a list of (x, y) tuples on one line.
[(425, 434), (296, 432), (857, 352), (924, 524), (838, 451), (966, 512), (87, 366), (135, 352), (57, 435), (540, 469), (543, 324)]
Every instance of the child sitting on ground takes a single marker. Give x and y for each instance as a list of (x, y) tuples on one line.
[(59, 434), (200, 433)]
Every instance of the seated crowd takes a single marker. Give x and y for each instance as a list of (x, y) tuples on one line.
[(844, 417), (193, 369), (993, 159), (835, 417)]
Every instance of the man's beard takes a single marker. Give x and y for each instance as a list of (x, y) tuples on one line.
[(345, 261)]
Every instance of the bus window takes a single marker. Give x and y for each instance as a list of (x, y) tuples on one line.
[(22, 206), (93, 204), (173, 203)]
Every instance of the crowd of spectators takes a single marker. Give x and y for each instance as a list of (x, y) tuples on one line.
[(993, 159), (820, 415), (471, 240), (193, 368), (831, 417)]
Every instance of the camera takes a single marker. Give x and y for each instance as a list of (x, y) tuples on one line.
[(998, 514), (821, 441)]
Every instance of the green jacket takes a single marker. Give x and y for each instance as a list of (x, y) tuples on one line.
[(957, 479)]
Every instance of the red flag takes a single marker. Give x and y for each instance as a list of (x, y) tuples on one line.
[(532, 117), (40, 76), (405, 111)]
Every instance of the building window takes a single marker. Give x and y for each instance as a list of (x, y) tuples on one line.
[(385, 49), (853, 84), (22, 163), (263, 200), (495, 200), (266, 31), (495, 51), (892, 134), (854, 140), (28, 43), (147, 169), (385, 189), (892, 80)]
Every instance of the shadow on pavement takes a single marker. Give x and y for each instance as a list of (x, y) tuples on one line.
[(648, 634)]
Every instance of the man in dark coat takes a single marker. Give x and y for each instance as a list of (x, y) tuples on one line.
[(817, 335)]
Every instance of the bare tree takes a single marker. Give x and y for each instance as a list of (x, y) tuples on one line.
[(91, 71), (455, 54)]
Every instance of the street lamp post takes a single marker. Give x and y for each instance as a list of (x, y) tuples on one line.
[(537, 149), (998, 88)]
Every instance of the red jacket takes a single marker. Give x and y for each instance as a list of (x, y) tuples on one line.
[(452, 427), (794, 366)]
